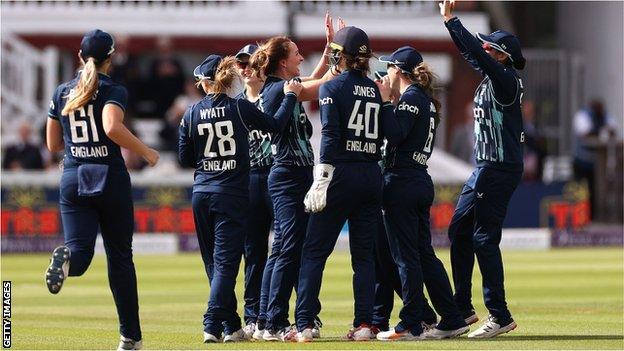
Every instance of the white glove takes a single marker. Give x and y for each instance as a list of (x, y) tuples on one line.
[(316, 198)]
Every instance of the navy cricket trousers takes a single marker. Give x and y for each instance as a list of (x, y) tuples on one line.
[(354, 194), (287, 186), (259, 220), (220, 224), (113, 213), (408, 196), (476, 229), (388, 282)]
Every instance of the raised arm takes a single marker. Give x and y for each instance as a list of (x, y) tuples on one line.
[(323, 64), (310, 89), (474, 53), (389, 124)]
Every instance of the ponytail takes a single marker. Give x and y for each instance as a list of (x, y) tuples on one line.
[(425, 78), (359, 62), (266, 59), (225, 75), (84, 90)]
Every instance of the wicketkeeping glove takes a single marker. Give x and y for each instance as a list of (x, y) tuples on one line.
[(316, 198)]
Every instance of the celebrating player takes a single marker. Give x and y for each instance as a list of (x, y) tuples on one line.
[(259, 220), (277, 61), (347, 182), (86, 121), (214, 138), (407, 198), (477, 223)]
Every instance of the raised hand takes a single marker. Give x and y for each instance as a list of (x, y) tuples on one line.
[(446, 9), (329, 28), (384, 88)]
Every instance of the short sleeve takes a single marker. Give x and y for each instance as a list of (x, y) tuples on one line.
[(117, 95), (55, 101)]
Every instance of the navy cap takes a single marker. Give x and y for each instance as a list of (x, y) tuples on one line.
[(246, 50), (405, 58), (208, 68), (97, 44), (506, 43), (351, 40)]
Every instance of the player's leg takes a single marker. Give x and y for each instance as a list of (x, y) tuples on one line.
[(322, 233), (117, 224), (80, 226), (256, 244), (387, 283), (436, 280), (266, 281), (460, 233), (495, 189), (229, 236), (287, 186), (386, 275), (402, 230)]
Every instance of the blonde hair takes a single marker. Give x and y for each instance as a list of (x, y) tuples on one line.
[(85, 89), (266, 59), (225, 75), (425, 78)]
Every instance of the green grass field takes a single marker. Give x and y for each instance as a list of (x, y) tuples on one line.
[(561, 299)]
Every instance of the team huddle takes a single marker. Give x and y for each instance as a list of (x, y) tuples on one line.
[(254, 170)]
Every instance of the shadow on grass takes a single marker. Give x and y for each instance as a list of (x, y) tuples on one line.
[(498, 339), (556, 337)]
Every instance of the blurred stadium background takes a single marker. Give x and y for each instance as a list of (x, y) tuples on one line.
[(574, 52), (574, 70)]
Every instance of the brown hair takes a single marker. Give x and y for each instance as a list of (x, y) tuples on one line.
[(85, 89), (358, 62), (225, 75), (425, 78), (266, 59)]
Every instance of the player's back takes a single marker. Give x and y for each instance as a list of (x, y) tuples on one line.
[(83, 130), (218, 139), (417, 113), (350, 114)]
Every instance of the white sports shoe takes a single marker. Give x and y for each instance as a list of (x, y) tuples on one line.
[(258, 333), (436, 333), (58, 269), (236, 336), (275, 336), (250, 330), (405, 335), (307, 335), (491, 328), (361, 333), (316, 331), (209, 338), (129, 344)]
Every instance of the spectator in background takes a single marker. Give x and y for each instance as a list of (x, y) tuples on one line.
[(592, 124), (125, 71), (25, 154), (169, 133), (462, 140), (534, 144), (166, 76)]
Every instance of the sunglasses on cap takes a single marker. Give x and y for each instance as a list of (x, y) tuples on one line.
[(242, 64)]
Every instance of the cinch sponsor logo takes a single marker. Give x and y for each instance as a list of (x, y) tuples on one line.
[(404, 106), (325, 101)]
